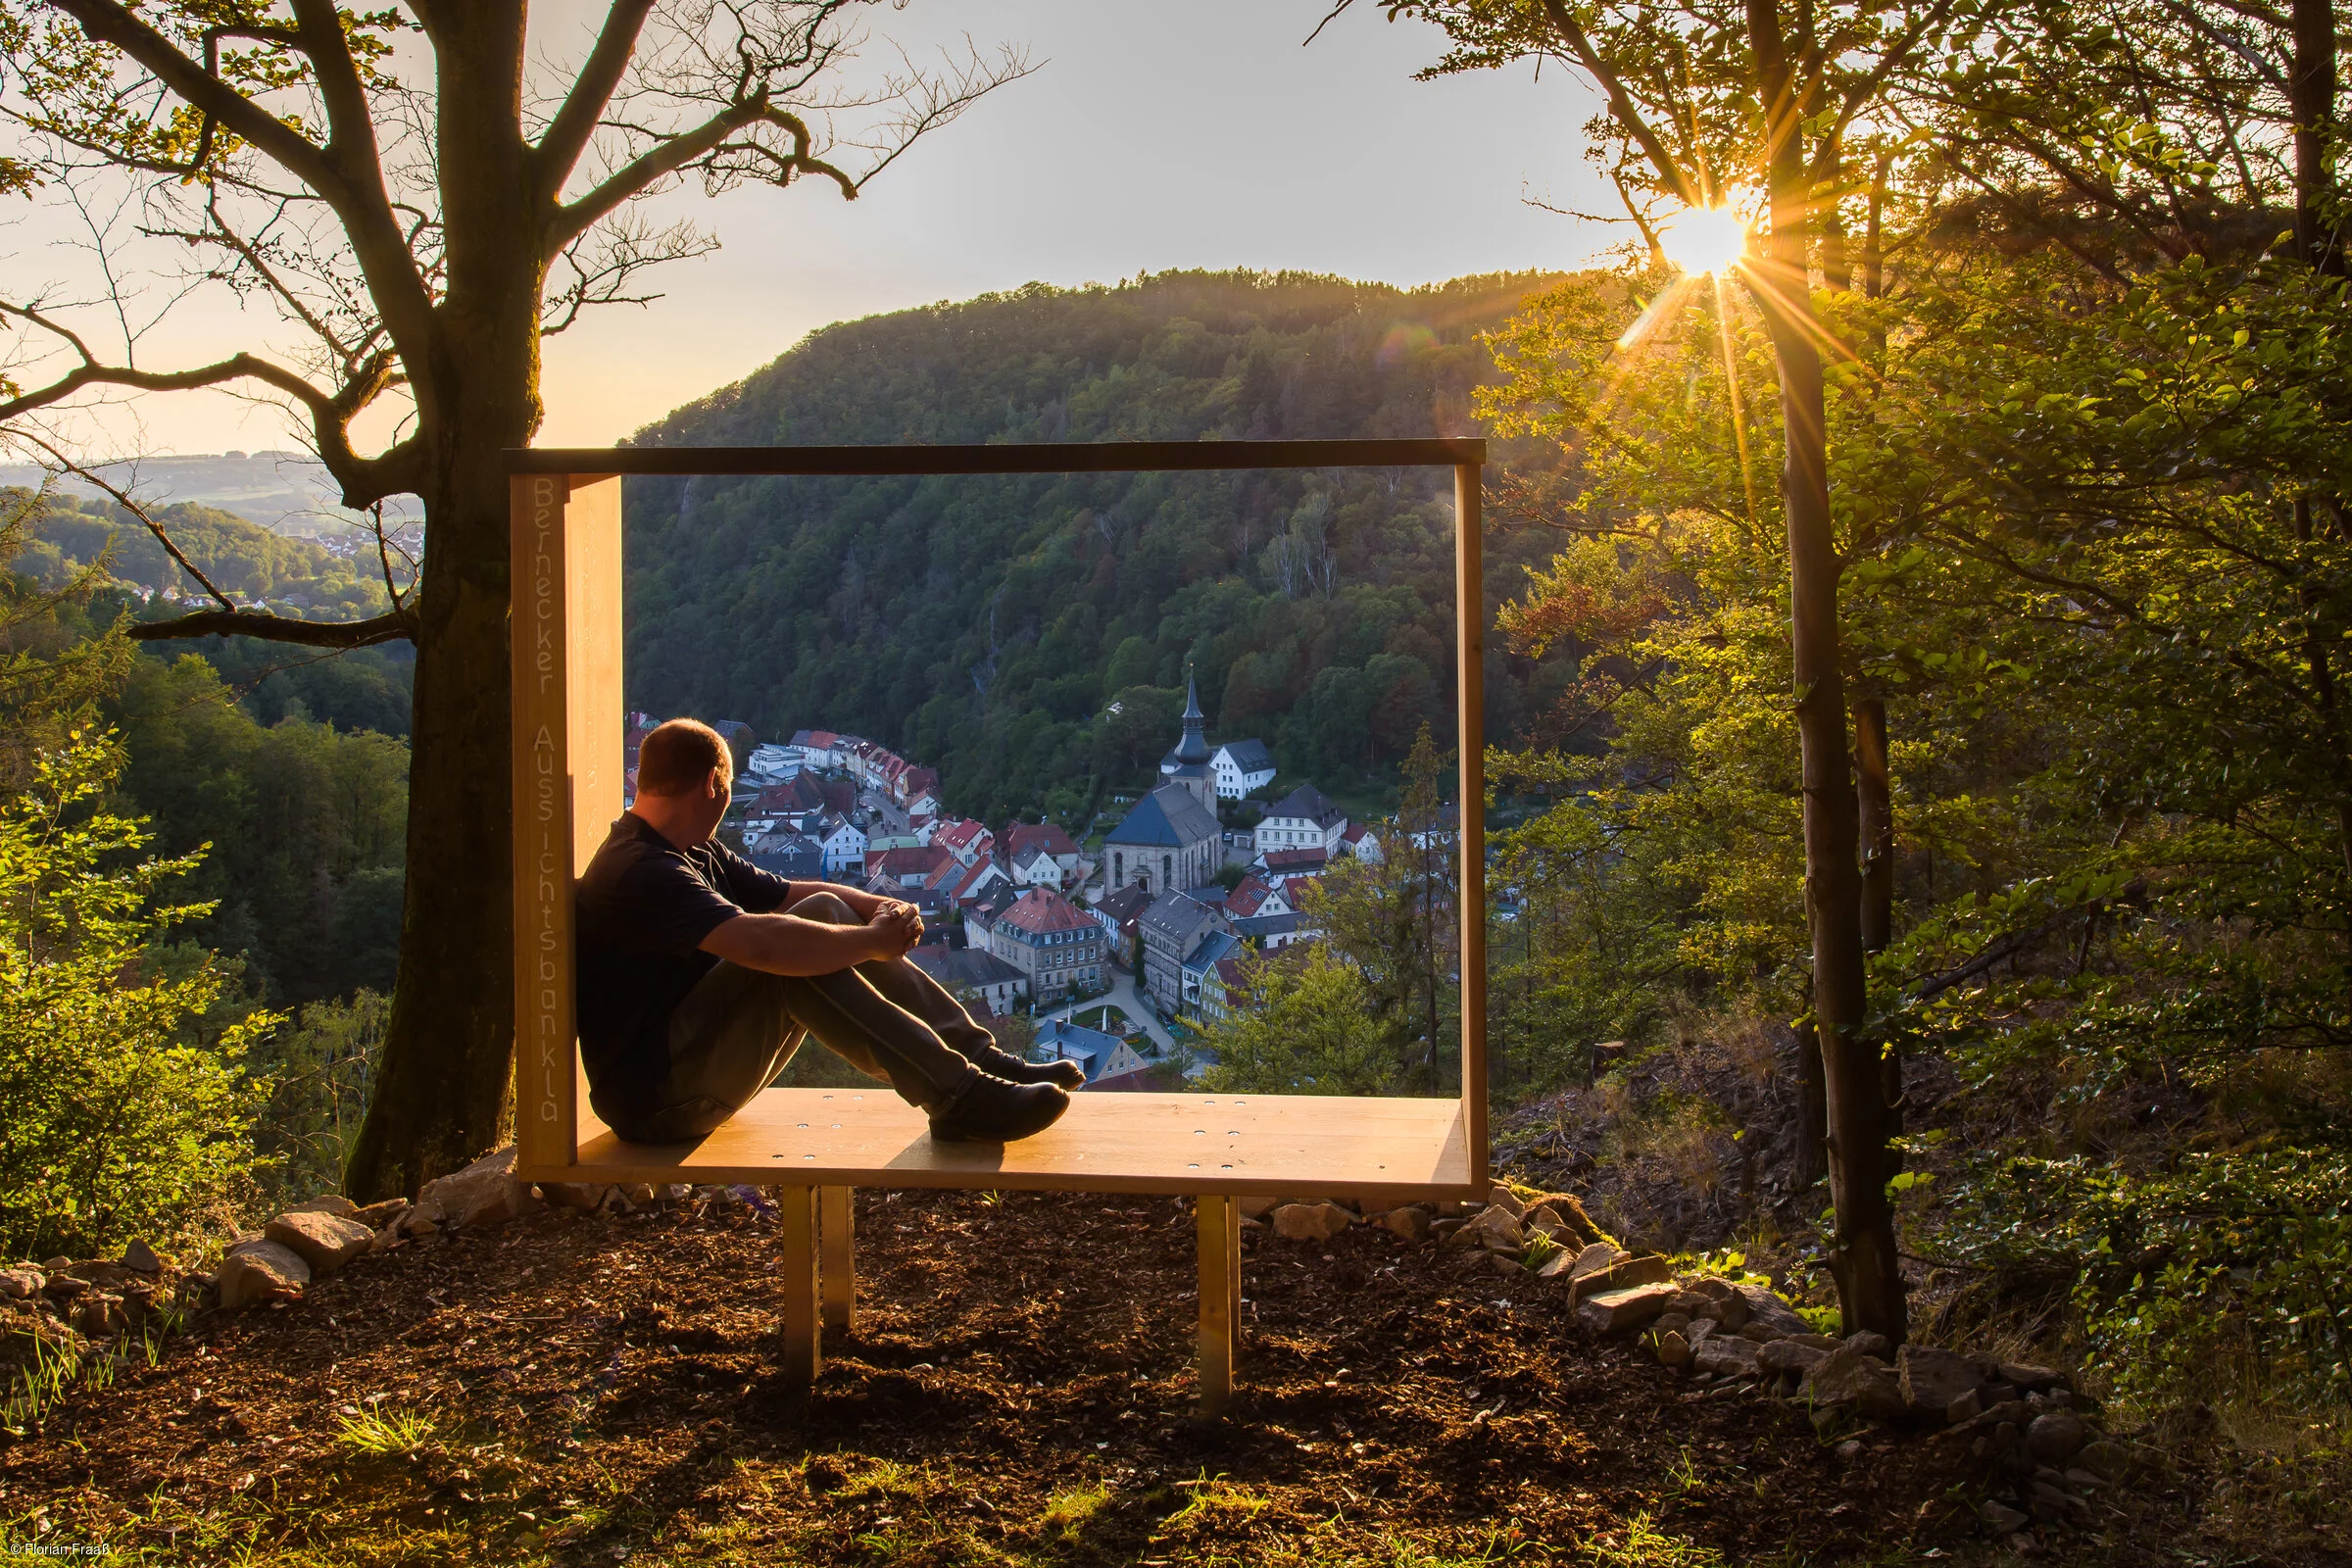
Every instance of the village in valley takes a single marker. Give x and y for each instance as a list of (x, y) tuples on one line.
[(1120, 951)]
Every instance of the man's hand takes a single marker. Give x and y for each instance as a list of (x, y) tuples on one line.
[(900, 923)]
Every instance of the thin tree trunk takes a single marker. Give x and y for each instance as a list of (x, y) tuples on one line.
[(1862, 1256), (1875, 801), (1875, 798), (1812, 1103), (2313, 87)]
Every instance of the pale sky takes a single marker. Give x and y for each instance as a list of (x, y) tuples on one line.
[(1153, 136)]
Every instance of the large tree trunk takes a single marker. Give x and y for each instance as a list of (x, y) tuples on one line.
[(447, 1053)]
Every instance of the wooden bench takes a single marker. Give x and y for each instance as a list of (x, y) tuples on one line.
[(816, 1145)]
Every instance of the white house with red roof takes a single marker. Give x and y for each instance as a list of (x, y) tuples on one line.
[(963, 837), (1360, 843), (1046, 936), (1255, 896), (965, 885)]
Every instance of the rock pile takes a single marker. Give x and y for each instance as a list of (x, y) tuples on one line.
[(2025, 1437)]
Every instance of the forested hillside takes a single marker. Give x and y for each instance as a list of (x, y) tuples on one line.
[(244, 559), (1028, 636)]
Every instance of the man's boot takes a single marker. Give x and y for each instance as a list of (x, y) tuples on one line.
[(1013, 1069), (993, 1111)]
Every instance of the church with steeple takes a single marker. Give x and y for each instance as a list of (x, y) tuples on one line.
[(1170, 839)]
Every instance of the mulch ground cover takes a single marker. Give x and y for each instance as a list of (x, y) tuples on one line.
[(570, 1389)]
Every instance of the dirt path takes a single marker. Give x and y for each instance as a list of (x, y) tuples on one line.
[(1018, 1391)]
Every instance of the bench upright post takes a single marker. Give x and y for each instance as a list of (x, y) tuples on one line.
[(565, 650)]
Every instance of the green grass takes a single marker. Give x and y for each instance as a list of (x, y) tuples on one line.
[(383, 1434), (1066, 1513)]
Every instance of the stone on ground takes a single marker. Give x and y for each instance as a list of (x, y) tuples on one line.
[(1412, 1223), (1871, 1343), (1312, 1222), (325, 1241), (2056, 1437), (1767, 1308), (21, 1284), (1592, 1259), (261, 1271), (1503, 1198), (484, 1193), (375, 1216), (2030, 1379), (1673, 1349), (326, 1204), (1788, 1356), (1495, 1228), (1849, 1377), (140, 1258), (1256, 1206), (1726, 1355), (1612, 1310), (1624, 1275), (583, 1195), (1935, 1380)]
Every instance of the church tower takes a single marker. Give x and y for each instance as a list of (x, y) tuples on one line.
[(1188, 763)]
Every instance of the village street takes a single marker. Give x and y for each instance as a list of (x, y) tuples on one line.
[(1123, 996)]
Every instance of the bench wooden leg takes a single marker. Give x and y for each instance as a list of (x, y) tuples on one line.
[(840, 1270), (1219, 1236), (804, 1356)]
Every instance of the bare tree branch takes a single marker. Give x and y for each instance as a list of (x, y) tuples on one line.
[(337, 634), (567, 135)]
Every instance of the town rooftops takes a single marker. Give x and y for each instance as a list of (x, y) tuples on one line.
[(959, 834), (795, 856), (1123, 905), (818, 740), (920, 860), (1248, 756), (961, 968), (1042, 909), (1248, 896), (1176, 918), (1020, 837), (1309, 802), (1170, 817), (1295, 863), (1213, 946), (1258, 927)]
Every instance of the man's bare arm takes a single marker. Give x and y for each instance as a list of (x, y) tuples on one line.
[(787, 944), (864, 904)]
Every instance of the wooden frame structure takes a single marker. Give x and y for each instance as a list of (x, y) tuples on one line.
[(816, 1145)]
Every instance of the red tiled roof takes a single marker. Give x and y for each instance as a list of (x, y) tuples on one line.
[(1295, 860), (1017, 839), (1248, 896), (1043, 909), (922, 860)]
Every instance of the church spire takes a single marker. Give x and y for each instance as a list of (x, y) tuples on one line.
[(1193, 748)]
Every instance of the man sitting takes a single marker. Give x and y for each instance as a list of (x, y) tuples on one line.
[(694, 991)]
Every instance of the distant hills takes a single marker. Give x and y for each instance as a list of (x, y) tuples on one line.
[(327, 580), (286, 492), (1029, 636)]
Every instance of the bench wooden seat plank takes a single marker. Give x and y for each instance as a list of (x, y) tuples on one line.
[(1390, 1149)]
